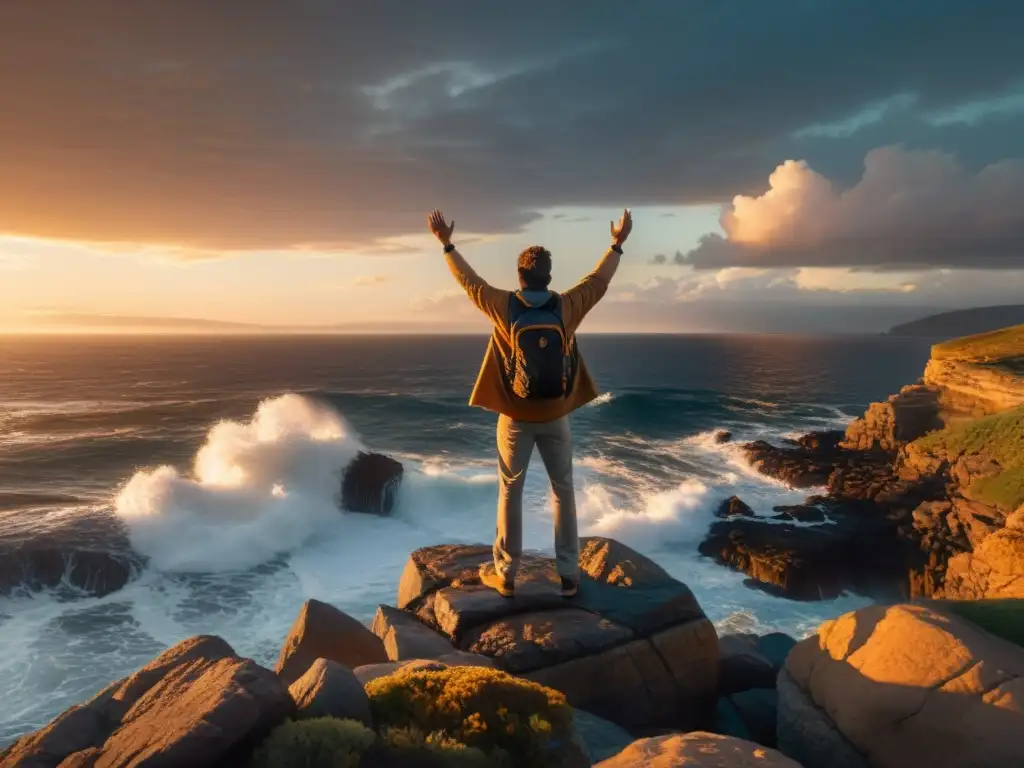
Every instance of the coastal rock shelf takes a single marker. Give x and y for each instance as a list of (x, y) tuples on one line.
[(633, 647)]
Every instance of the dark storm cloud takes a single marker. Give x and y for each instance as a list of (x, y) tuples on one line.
[(310, 124)]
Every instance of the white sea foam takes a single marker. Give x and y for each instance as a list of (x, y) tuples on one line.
[(679, 514), (258, 488), (604, 397)]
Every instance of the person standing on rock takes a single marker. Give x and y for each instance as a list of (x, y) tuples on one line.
[(533, 377)]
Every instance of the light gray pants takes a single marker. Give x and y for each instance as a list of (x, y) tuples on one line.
[(516, 440)]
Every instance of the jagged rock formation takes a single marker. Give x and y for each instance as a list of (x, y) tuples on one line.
[(919, 489), (889, 687), (633, 647), (993, 569), (904, 417)]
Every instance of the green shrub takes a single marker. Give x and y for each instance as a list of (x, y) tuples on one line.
[(411, 745), (1002, 617), (321, 742), (503, 716), (999, 437)]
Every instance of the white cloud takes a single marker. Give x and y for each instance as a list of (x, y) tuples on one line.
[(911, 209)]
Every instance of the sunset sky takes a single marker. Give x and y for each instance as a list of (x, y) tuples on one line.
[(808, 165)]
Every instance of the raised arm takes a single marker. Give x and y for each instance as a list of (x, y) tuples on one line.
[(583, 296), (489, 300)]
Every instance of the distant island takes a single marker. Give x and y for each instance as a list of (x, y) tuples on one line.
[(962, 322)]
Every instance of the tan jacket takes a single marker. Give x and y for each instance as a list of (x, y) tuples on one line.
[(491, 390)]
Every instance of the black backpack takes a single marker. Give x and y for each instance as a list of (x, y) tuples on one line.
[(543, 361)]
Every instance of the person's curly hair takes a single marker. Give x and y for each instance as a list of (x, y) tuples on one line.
[(535, 267)]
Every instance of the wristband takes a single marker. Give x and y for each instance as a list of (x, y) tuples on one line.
[(617, 248), (449, 248)]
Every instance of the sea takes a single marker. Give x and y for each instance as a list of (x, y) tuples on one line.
[(217, 460)]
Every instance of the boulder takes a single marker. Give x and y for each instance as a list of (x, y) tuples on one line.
[(732, 507), (723, 436), (633, 646), (805, 732), (902, 685), (196, 704), (329, 689), (321, 631), (406, 637), (698, 749), (742, 666), (370, 483)]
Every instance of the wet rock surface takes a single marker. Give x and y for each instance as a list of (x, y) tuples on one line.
[(370, 483)]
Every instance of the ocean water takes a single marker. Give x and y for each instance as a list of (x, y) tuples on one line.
[(218, 459)]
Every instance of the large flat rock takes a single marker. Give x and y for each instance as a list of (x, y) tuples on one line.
[(909, 685), (633, 646), (529, 641), (196, 704), (668, 680), (644, 608)]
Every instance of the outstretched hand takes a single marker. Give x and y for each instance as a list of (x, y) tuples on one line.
[(440, 228), (621, 230)]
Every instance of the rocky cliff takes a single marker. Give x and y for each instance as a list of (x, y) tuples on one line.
[(965, 378), (966, 388), (922, 490)]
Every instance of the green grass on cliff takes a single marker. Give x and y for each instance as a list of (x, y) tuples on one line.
[(991, 347), (999, 437), (1001, 617)]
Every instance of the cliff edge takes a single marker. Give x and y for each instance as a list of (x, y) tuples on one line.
[(925, 491)]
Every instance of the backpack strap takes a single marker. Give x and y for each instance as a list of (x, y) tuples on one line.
[(518, 306)]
